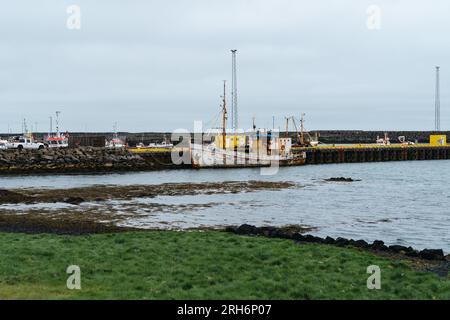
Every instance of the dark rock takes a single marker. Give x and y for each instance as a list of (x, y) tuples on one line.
[(361, 244), (73, 200), (340, 179), (432, 254), (284, 235), (308, 238), (7, 196), (379, 245), (412, 252), (329, 240), (246, 229), (341, 242), (398, 249), (231, 229), (298, 237), (266, 231)]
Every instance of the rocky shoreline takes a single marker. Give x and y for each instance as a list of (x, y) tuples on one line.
[(376, 246)]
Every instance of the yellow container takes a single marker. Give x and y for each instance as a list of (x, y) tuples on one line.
[(232, 141), (438, 140)]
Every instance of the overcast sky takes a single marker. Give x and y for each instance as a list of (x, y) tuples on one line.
[(159, 65)]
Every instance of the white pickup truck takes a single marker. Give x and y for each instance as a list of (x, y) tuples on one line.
[(3, 144), (24, 143)]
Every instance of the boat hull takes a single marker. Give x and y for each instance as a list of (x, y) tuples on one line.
[(212, 157)]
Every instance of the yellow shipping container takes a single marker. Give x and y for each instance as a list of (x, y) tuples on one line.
[(438, 140)]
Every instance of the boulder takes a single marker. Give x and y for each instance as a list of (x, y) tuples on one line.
[(341, 242), (360, 244), (398, 249), (329, 240), (73, 200), (298, 237), (432, 254), (246, 229), (340, 179), (379, 246)]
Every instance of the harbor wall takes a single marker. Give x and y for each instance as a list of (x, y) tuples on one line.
[(325, 136), (374, 154)]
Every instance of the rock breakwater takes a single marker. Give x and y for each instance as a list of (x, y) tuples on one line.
[(77, 160)]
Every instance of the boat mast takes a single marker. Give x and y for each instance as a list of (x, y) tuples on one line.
[(302, 129), (57, 123), (287, 127), (224, 115), (50, 133)]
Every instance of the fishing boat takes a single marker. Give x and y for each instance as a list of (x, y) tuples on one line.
[(383, 141), (161, 145), (56, 139), (255, 148), (115, 142), (164, 145)]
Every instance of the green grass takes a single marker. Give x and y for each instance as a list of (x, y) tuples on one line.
[(200, 265)]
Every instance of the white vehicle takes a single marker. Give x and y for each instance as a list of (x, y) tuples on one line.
[(3, 144), (24, 143)]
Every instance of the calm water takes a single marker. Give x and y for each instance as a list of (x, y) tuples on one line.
[(404, 203)]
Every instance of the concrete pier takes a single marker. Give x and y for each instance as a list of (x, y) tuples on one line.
[(373, 153)]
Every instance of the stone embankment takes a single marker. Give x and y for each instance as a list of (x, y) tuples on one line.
[(377, 245), (79, 160)]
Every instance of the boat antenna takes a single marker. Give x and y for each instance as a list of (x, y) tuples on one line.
[(302, 129), (115, 130), (224, 114), (287, 126), (57, 123), (51, 127), (234, 111)]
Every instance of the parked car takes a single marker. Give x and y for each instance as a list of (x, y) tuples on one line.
[(24, 143)]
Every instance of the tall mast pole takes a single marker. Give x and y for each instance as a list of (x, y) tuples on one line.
[(437, 103), (57, 123), (224, 115), (287, 127), (302, 129), (234, 112)]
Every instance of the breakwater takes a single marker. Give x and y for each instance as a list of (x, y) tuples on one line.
[(79, 160)]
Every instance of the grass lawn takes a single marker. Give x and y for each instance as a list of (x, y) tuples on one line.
[(200, 265)]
